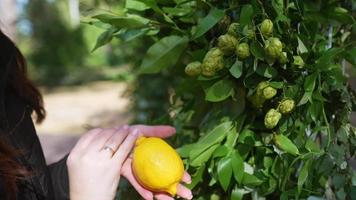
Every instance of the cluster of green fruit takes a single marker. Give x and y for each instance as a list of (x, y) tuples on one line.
[(264, 92), (229, 43), (273, 116)]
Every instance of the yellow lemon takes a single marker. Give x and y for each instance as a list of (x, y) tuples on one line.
[(156, 165)]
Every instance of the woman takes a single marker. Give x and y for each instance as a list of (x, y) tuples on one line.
[(93, 168)]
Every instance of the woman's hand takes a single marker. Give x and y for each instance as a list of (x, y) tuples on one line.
[(95, 162), (126, 171), (94, 170)]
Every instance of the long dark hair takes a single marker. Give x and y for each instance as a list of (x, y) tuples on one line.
[(13, 78)]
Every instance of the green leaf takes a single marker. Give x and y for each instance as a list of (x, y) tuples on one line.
[(221, 151), (292, 91), (311, 146), (234, 133), (251, 180), (185, 150), (309, 83), (177, 11), (277, 167), (306, 97), (105, 37), (304, 172), (339, 14), (246, 15), (338, 181), (204, 156), (237, 166), (129, 21), (247, 137), (224, 172), (342, 134), (278, 6), (237, 193), (214, 16), (269, 186), (219, 91), (197, 177), (276, 84), (327, 57), (301, 47), (231, 138), (153, 4), (315, 110), (136, 5), (131, 34), (214, 136), (236, 69), (164, 53), (266, 71), (285, 144), (257, 50)]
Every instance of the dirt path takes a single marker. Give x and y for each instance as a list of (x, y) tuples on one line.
[(72, 110)]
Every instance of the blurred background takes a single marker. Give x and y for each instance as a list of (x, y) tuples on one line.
[(82, 89)]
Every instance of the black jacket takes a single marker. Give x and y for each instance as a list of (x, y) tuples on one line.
[(46, 182)]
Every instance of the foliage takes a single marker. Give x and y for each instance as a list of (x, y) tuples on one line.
[(269, 120), (58, 50), (55, 48)]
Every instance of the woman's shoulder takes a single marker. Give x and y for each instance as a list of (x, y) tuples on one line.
[(16, 109)]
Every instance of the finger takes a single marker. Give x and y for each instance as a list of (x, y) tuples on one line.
[(155, 131), (163, 197), (126, 147), (126, 171), (86, 139), (186, 178), (184, 192), (99, 141), (117, 138)]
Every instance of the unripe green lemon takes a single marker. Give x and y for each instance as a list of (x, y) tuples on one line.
[(208, 69), (227, 44), (273, 47), (233, 28), (267, 27), (260, 87), (269, 92), (286, 106), (272, 118), (193, 68), (213, 53), (213, 62), (243, 50)]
